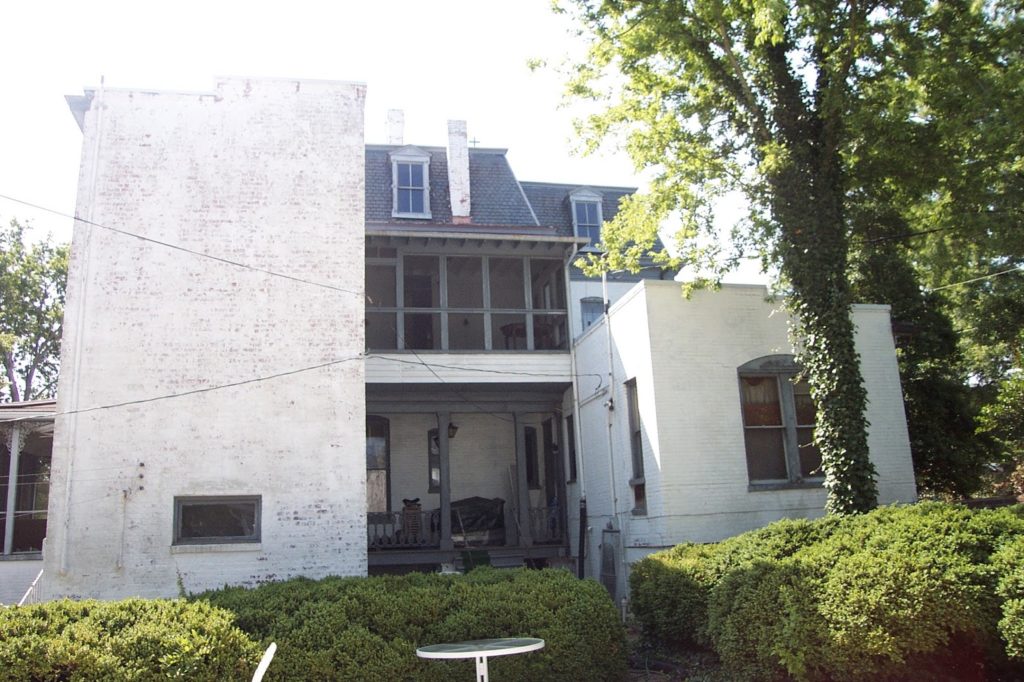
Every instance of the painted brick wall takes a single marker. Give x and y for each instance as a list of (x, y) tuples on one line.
[(264, 172)]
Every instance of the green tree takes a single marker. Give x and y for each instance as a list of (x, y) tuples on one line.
[(810, 108), (32, 285)]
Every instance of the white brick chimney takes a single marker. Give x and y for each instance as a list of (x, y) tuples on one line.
[(396, 126), (458, 171)]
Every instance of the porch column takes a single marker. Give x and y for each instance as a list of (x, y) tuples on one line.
[(12, 488), (443, 419), (523, 502)]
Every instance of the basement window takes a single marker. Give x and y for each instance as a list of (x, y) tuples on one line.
[(215, 520)]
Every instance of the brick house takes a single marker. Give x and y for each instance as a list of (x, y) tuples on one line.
[(289, 352)]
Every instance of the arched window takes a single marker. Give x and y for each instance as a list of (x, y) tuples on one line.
[(778, 421)]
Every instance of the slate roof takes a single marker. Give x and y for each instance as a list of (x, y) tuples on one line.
[(551, 203), (497, 198)]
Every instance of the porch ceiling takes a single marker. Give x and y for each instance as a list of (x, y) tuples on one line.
[(453, 397)]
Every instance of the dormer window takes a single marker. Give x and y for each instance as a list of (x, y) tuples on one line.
[(410, 182), (586, 215)]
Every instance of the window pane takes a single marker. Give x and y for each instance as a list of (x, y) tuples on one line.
[(591, 310), (465, 282), (508, 332), (416, 201), (405, 200), (377, 490), (766, 456), (549, 332), (805, 410), (570, 432), (760, 401), (507, 283), (381, 333), (404, 179), (380, 286), (547, 284), (225, 520), (423, 331), (416, 175), (810, 456), (433, 462), (465, 331), (532, 468), (422, 282)]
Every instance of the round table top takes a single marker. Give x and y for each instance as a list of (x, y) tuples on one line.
[(481, 647)]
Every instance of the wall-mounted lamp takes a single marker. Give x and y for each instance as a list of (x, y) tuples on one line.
[(452, 430)]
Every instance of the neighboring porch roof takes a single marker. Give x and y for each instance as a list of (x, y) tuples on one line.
[(39, 412)]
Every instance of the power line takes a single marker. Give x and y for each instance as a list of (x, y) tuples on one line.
[(205, 389), (184, 249), (978, 279)]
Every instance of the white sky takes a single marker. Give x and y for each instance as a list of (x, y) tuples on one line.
[(447, 59)]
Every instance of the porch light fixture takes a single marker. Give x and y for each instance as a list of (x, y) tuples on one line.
[(452, 430)]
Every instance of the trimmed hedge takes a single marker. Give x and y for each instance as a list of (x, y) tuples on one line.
[(369, 628), (134, 639), (928, 591)]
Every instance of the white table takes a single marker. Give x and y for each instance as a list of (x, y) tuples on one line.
[(481, 650)]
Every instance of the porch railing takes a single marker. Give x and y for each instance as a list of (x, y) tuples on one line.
[(406, 529), (402, 529), (546, 525)]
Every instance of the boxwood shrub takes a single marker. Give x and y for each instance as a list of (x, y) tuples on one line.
[(928, 591), (369, 628), (134, 639)]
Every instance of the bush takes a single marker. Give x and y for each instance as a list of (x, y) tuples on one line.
[(669, 590), (927, 588), (369, 628), (1010, 566), (134, 639)]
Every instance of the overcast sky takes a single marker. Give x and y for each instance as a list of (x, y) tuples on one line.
[(447, 59)]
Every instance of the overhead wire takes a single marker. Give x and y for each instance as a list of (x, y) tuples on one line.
[(184, 249)]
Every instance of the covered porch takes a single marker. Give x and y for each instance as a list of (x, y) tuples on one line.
[(464, 474)]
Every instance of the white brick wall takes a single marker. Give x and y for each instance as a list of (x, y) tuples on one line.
[(267, 173), (684, 355)]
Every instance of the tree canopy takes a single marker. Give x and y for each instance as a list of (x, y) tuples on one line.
[(839, 122), (32, 285)]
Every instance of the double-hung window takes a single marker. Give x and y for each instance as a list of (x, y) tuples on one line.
[(778, 422), (410, 181), (586, 215)]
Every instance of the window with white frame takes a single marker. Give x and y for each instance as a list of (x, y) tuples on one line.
[(779, 417), (586, 215), (591, 310), (410, 182), (216, 519)]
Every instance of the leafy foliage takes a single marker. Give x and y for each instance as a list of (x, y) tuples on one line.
[(32, 285), (930, 591), (134, 639), (369, 628)]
